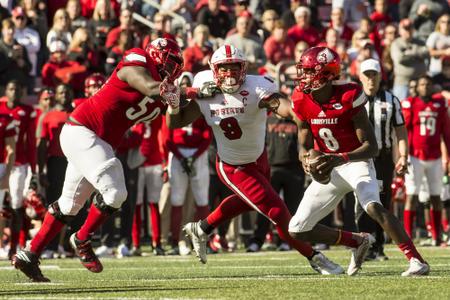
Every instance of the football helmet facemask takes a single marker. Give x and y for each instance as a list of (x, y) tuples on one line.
[(317, 66), (166, 55), (231, 78)]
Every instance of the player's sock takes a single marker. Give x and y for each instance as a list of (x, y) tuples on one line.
[(156, 223), (410, 250), (408, 221), (444, 223), (93, 221), (23, 236), (435, 222), (137, 224), (229, 208), (201, 212), (176, 215), (48, 231), (303, 248), (347, 238)]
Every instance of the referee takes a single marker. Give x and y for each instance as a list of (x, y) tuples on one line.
[(385, 114)]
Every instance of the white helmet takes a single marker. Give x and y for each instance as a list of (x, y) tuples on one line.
[(229, 81)]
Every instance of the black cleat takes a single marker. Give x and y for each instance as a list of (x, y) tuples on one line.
[(28, 263)]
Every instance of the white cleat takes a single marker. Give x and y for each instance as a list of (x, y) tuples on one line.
[(198, 239), (416, 268), (322, 265), (359, 254)]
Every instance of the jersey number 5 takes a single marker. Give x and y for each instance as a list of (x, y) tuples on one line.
[(327, 136), (231, 129)]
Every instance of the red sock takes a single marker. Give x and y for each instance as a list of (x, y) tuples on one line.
[(410, 250), (156, 224), (137, 224), (176, 215), (48, 231), (408, 221), (229, 208), (202, 212), (347, 239), (93, 221), (444, 223), (435, 222)]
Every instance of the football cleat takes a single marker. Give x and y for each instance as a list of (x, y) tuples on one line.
[(322, 265), (198, 239), (158, 251), (416, 268), (86, 254), (359, 254), (28, 263)]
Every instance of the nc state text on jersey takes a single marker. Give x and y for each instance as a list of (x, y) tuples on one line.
[(227, 111)]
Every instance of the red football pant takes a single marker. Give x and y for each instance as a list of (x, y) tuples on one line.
[(252, 188)]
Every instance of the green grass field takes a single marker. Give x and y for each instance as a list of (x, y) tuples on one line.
[(264, 275)]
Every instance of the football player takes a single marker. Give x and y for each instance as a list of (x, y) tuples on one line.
[(135, 92), (238, 117), (333, 117), (91, 85)]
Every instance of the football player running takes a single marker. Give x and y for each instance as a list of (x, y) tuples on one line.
[(238, 116), (88, 139), (334, 118)]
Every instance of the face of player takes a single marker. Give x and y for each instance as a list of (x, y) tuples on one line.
[(412, 88), (424, 88), (63, 95), (13, 92), (92, 89), (371, 82), (228, 76)]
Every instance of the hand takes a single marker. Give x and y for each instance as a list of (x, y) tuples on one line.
[(165, 175), (209, 89), (423, 10), (304, 158), (330, 162), (170, 93), (188, 166), (401, 167)]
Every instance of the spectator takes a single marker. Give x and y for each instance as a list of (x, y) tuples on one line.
[(438, 44), (125, 42), (427, 121), (217, 20), (103, 19), (358, 40), (367, 27), (380, 16), (73, 9), (184, 8), (409, 55), (337, 23), (424, 14), (196, 57), (389, 35), (289, 75), (354, 11), (161, 30), (126, 21), (365, 53), (442, 80), (27, 37), (278, 47), (288, 16), (331, 39), (61, 28), (302, 30), (81, 49), (268, 24), (249, 44), (88, 7), (36, 17), (14, 62)]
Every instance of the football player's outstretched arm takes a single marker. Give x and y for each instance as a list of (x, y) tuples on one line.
[(184, 117), (366, 136), (10, 150), (139, 79), (305, 140), (277, 104)]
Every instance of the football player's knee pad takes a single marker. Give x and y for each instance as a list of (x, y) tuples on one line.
[(56, 212), (109, 180), (102, 206)]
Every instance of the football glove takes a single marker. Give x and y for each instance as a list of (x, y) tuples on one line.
[(209, 89)]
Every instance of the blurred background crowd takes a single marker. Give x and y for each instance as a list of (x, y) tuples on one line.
[(55, 53)]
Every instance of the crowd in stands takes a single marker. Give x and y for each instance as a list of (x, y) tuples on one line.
[(53, 52)]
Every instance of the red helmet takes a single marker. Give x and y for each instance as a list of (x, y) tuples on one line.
[(93, 80), (166, 55), (317, 66)]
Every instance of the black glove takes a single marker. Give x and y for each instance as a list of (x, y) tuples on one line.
[(188, 165), (209, 89)]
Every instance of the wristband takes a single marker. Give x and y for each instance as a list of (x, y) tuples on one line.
[(344, 156), (191, 93)]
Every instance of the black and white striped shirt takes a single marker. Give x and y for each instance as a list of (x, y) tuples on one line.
[(385, 113)]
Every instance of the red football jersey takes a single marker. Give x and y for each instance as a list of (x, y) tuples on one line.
[(117, 106), (25, 117), (7, 129), (426, 123), (51, 129), (331, 123), (195, 135), (151, 146)]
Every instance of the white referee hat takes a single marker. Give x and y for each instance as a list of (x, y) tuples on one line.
[(370, 65)]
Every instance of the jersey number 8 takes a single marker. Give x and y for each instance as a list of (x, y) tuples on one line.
[(327, 136)]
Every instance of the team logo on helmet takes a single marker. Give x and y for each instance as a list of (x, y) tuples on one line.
[(160, 43), (325, 56)]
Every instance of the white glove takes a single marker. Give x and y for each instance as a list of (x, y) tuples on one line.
[(171, 95)]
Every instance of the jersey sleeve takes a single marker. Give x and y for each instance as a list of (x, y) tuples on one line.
[(135, 58), (11, 129), (397, 115), (406, 110), (355, 99), (265, 87), (296, 105)]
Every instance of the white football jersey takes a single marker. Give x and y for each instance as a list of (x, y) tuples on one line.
[(239, 125)]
